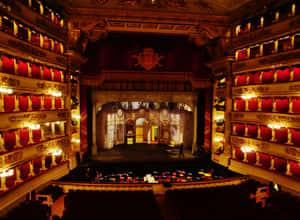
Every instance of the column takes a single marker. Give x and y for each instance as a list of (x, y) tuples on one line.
[(288, 168), (53, 162), (62, 128), (257, 163), (94, 147), (258, 132), (194, 147), (31, 170), (18, 176), (3, 183), (53, 129), (43, 163), (289, 137), (2, 147), (1, 102), (272, 163)]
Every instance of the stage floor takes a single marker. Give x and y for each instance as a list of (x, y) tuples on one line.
[(143, 153)]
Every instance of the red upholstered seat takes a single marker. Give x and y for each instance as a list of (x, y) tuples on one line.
[(58, 103), (57, 75), (295, 137), (280, 164), (47, 73), (281, 135), (242, 54), (47, 102), (36, 71), (9, 140), (36, 103), (8, 64), (24, 136), (23, 68), (252, 130), (295, 168), (267, 76), (239, 154), (266, 104), (254, 78), (296, 105), (23, 103), (251, 157), (9, 103), (296, 71), (253, 104), (265, 160), (282, 105), (241, 79), (283, 75), (240, 105), (240, 129), (265, 132), (36, 135)]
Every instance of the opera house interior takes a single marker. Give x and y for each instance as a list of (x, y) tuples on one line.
[(149, 109)]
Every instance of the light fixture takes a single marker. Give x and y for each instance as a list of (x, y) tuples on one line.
[(56, 94), (246, 149), (37, 126), (57, 122), (248, 96), (47, 124), (7, 173), (76, 117), (274, 126), (7, 91), (218, 139), (57, 152), (76, 141)]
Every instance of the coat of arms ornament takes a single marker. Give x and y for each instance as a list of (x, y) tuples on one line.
[(148, 59)]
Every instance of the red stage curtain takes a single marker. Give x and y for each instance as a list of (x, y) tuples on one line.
[(240, 129), (241, 79), (10, 180), (37, 165), (36, 135), (239, 154), (24, 170), (282, 105), (47, 43), (265, 133), (35, 39), (283, 75), (242, 54), (266, 104), (8, 64), (23, 103), (47, 73), (251, 157), (296, 105), (296, 73), (253, 104), (252, 130), (254, 78), (295, 168), (36, 103), (240, 105), (280, 164), (24, 136), (58, 103), (57, 75), (47, 102), (9, 140), (295, 137), (281, 135), (265, 160), (9, 103), (23, 68), (267, 76), (36, 71)]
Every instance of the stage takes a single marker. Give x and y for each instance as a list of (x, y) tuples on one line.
[(143, 153)]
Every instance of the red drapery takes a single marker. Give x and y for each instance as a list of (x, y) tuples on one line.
[(281, 135), (36, 135), (265, 160), (253, 104), (254, 51), (240, 129), (10, 180), (23, 103), (242, 54), (268, 48), (240, 105), (58, 103), (8, 64), (252, 130), (24, 170), (296, 105), (296, 73), (295, 137), (57, 75), (266, 104), (36, 103), (239, 154), (9, 103), (283, 75), (47, 43), (47, 73), (267, 76), (282, 105), (9, 140), (280, 164), (48, 161), (254, 78), (295, 168), (35, 38), (47, 102), (36, 71), (23, 68), (58, 159), (251, 157), (57, 47), (24, 136), (37, 165), (241, 79), (265, 132)]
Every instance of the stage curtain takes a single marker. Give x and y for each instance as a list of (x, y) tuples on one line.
[(283, 75), (239, 154), (268, 48), (266, 104), (36, 71), (280, 164), (296, 105), (57, 75), (254, 78), (23, 103), (47, 102), (240, 129), (254, 52), (24, 136), (267, 76), (36, 135), (36, 103), (35, 38), (8, 64), (252, 131), (265, 133), (48, 161), (241, 79), (22, 68), (242, 54), (295, 168), (296, 71), (240, 105), (281, 135), (47, 73), (9, 103), (58, 103), (282, 105), (251, 157), (265, 160), (295, 137), (24, 170), (47, 43), (9, 140), (253, 104), (37, 165), (10, 180)]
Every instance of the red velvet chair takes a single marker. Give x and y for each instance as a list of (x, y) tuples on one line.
[(36, 135), (240, 129), (281, 135), (282, 105), (280, 164), (266, 104), (267, 76), (24, 136), (252, 131), (9, 103), (295, 137), (8, 64), (23, 103), (251, 157), (22, 68), (295, 168), (36, 103), (265, 160), (253, 104), (47, 73), (57, 75), (240, 105), (254, 78), (265, 133), (58, 103), (241, 80), (36, 71), (47, 102), (239, 154), (296, 71), (9, 140), (283, 75), (242, 54)]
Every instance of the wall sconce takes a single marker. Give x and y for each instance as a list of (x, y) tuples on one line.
[(218, 139), (247, 149), (47, 124), (56, 94), (7, 173), (34, 126), (57, 152), (7, 91), (276, 126), (247, 96), (76, 141), (76, 117)]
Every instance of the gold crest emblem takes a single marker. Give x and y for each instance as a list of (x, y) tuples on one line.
[(148, 59)]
